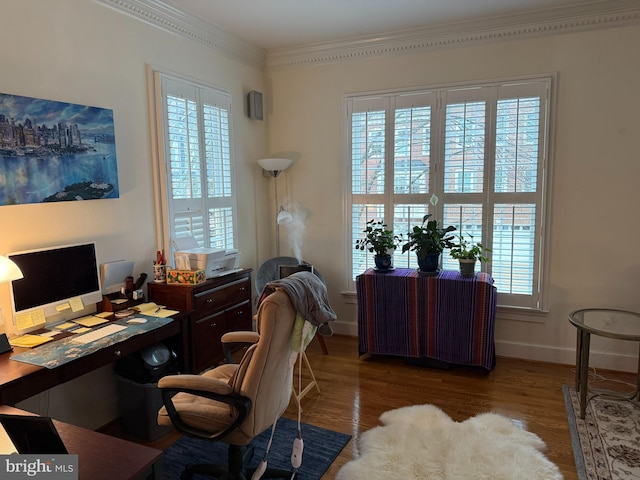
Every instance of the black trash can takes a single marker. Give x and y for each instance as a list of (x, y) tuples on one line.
[(139, 398)]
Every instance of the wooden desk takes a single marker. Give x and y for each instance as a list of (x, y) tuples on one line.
[(101, 457), (19, 380), (448, 317)]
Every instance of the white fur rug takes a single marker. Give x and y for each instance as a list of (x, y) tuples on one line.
[(423, 443)]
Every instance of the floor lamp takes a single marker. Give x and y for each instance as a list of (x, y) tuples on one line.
[(273, 167)]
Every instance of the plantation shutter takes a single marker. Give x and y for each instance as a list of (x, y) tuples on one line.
[(368, 152), (198, 170), (474, 157)]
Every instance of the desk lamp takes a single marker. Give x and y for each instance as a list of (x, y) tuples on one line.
[(8, 271), (273, 167)]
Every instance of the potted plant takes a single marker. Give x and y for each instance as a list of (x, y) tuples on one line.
[(428, 241), (380, 240), (467, 252)]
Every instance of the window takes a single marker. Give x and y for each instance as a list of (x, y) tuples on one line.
[(195, 162), (472, 156)]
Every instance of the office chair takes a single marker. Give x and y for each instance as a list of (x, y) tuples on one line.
[(270, 271), (234, 403)]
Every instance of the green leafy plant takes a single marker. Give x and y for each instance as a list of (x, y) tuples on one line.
[(378, 238), (429, 237), (468, 249)]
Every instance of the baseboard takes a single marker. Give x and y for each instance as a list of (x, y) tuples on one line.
[(349, 329), (541, 353), (564, 355)]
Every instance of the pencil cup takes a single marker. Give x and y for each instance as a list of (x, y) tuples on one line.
[(160, 273)]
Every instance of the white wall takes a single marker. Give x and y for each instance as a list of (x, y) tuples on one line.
[(594, 227), (82, 52)]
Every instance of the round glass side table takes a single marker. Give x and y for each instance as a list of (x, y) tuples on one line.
[(604, 322)]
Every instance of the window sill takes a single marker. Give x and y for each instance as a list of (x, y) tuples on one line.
[(521, 314), (350, 297)]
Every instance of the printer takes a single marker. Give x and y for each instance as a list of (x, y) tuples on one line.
[(214, 261)]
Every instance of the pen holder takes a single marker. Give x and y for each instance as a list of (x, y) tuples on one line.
[(160, 273)]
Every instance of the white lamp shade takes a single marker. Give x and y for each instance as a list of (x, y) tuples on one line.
[(9, 270), (274, 164)]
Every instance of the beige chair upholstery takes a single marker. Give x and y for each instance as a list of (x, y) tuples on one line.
[(236, 402)]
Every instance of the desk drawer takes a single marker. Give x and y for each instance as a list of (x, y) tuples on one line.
[(209, 301)]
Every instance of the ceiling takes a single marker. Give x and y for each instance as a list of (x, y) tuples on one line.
[(273, 24)]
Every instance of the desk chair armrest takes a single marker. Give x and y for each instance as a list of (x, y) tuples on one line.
[(240, 337), (172, 384), (230, 340), (195, 382)]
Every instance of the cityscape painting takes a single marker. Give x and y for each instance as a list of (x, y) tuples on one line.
[(54, 152)]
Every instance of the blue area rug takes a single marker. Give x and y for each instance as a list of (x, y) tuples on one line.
[(321, 447)]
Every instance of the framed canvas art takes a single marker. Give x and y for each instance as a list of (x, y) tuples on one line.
[(54, 151)]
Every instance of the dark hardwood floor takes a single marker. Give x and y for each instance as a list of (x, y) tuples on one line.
[(355, 391)]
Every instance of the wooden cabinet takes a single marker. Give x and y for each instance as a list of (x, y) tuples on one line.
[(215, 307)]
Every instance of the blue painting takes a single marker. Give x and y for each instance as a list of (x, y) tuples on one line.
[(54, 152)]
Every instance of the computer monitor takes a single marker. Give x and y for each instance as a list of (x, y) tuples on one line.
[(56, 279)]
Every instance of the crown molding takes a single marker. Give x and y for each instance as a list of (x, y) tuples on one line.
[(610, 13), (554, 21), (161, 15)]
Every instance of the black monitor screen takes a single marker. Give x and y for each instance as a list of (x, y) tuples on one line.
[(54, 274)]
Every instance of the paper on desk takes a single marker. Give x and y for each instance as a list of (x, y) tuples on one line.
[(147, 308), (50, 333), (118, 301), (154, 310), (103, 314), (90, 321), (65, 325), (29, 341), (81, 330)]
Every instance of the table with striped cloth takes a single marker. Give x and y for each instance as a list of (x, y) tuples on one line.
[(448, 317)]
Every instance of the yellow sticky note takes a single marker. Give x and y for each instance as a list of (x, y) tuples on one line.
[(81, 330), (38, 316), (62, 306), (90, 321), (149, 308), (30, 319), (29, 341), (76, 304), (103, 314)]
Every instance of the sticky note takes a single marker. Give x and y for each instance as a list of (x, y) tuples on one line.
[(76, 304), (30, 319)]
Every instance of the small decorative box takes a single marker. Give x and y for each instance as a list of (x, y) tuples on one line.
[(185, 277)]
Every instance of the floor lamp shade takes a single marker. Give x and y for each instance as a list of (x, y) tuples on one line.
[(274, 165)]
